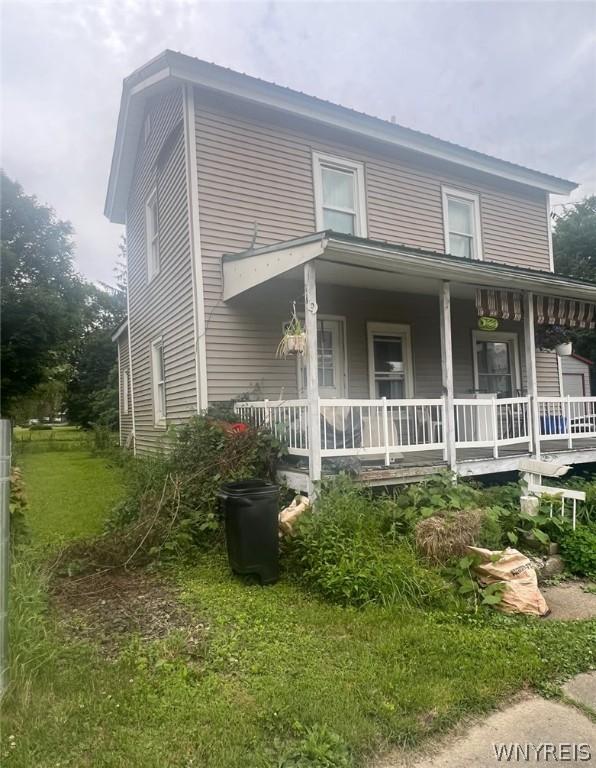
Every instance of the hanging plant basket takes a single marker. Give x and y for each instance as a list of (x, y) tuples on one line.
[(293, 341), (554, 337)]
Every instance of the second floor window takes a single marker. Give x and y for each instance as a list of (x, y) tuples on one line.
[(152, 234), (339, 195), (461, 214)]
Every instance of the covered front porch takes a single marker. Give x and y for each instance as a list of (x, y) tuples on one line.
[(437, 392)]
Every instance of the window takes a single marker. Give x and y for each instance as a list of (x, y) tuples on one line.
[(125, 391), (331, 357), (496, 366), (159, 383), (339, 195), (461, 215), (152, 236), (390, 361), (147, 126)]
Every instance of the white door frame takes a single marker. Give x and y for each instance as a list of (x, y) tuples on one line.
[(341, 356), (398, 330), (507, 336)]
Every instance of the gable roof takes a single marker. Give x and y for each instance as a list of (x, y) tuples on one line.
[(170, 67)]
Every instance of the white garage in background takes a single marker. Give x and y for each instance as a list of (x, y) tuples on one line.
[(576, 375)]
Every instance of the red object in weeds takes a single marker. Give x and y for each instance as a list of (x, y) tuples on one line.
[(239, 427)]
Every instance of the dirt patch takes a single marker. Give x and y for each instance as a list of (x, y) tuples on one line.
[(109, 607)]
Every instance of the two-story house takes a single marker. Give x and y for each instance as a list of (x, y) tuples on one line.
[(421, 268)]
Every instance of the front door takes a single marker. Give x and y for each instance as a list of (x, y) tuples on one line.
[(331, 357), (496, 364)]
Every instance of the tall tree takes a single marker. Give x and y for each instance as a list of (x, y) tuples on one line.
[(92, 390), (42, 296), (574, 246), (574, 240)]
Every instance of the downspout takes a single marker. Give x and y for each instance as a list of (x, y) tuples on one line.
[(194, 231)]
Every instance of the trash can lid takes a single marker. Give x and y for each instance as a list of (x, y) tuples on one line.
[(250, 487)]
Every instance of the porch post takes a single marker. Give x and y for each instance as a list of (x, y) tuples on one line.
[(312, 373), (530, 350), (447, 374)]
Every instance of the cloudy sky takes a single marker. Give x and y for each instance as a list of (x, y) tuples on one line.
[(517, 80)]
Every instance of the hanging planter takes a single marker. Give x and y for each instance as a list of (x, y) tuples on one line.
[(293, 341), (554, 337)]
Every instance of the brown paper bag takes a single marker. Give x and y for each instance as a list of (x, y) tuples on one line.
[(516, 572)]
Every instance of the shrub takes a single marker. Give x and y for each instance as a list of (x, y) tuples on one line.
[(579, 550), (343, 552)]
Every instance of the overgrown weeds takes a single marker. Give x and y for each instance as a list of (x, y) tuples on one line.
[(171, 501)]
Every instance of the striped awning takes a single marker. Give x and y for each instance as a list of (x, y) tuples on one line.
[(507, 305), (565, 312)]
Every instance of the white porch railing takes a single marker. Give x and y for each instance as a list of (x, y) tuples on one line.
[(388, 428), (567, 418), (353, 427), (491, 422), (287, 420), (380, 427)]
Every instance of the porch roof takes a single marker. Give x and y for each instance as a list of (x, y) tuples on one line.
[(255, 266)]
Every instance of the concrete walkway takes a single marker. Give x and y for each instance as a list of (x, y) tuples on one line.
[(570, 600), (533, 731)]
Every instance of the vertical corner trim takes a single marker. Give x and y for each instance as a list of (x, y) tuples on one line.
[(129, 334), (192, 183)]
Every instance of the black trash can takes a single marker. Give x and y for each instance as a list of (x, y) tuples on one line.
[(251, 511)]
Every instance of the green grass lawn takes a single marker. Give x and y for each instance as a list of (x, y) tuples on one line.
[(69, 493), (273, 661)]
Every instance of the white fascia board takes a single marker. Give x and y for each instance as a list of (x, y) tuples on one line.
[(241, 274)]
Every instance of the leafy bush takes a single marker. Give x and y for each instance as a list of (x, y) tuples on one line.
[(344, 552), (579, 550)]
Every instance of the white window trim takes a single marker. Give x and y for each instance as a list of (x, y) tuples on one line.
[(159, 419), (150, 236), (469, 197), (341, 163), (497, 336), (341, 319), (125, 386), (391, 329)]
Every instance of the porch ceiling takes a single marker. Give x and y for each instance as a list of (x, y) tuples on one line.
[(347, 260)]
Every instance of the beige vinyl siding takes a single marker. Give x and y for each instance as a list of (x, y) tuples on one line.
[(256, 183), (547, 374), (164, 307), (124, 365)]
